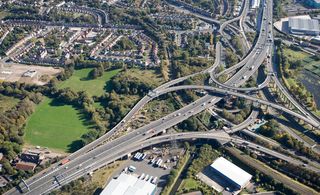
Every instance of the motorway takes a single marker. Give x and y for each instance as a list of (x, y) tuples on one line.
[(100, 152)]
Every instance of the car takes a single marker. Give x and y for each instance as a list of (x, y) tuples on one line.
[(66, 167)]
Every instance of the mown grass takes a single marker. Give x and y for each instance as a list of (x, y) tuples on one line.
[(80, 81), (56, 126)]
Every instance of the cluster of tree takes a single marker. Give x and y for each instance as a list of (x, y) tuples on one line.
[(80, 186), (204, 4), (124, 44), (52, 41), (27, 11), (96, 72), (82, 62), (11, 126), (190, 124), (205, 157), (127, 84), (174, 173), (272, 129), (303, 175), (270, 184), (240, 116), (174, 24), (251, 36), (236, 43), (231, 58), (278, 12), (68, 17)]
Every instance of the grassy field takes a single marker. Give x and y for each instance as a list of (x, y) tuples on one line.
[(188, 184), (55, 126), (308, 62), (6, 103), (79, 81)]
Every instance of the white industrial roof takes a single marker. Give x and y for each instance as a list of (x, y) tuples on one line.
[(231, 171), (304, 24), (128, 185)]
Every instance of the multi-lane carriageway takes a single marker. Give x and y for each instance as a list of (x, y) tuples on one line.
[(92, 157)]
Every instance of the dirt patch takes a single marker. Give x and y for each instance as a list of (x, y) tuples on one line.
[(17, 72)]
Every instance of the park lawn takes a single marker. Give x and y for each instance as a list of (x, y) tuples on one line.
[(79, 81), (55, 126), (7, 102)]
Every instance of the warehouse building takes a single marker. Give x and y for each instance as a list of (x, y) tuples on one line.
[(129, 185), (303, 26), (232, 174)]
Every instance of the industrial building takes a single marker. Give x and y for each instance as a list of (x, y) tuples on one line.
[(231, 173), (303, 26), (129, 185), (255, 4)]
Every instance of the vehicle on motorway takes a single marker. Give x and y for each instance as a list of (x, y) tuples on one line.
[(64, 161)]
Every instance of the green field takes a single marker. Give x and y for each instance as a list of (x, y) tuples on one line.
[(6, 103), (79, 81), (188, 184), (55, 126), (308, 61)]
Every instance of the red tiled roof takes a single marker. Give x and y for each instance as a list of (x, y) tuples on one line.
[(26, 166)]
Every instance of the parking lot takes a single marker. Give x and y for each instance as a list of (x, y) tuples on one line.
[(144, 169)]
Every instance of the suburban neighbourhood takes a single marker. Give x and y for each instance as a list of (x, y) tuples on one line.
[(159, 97)]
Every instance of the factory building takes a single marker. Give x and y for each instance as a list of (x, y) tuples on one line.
[(303, 26), (231, 173), (255, 4), (129, 185)]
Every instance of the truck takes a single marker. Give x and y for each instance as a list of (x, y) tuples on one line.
[(142, 176), (139, 156), (152, 161), (158, 161), (147, 177), (132, 168), (64, 161), (143, 156), (154, 181)]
